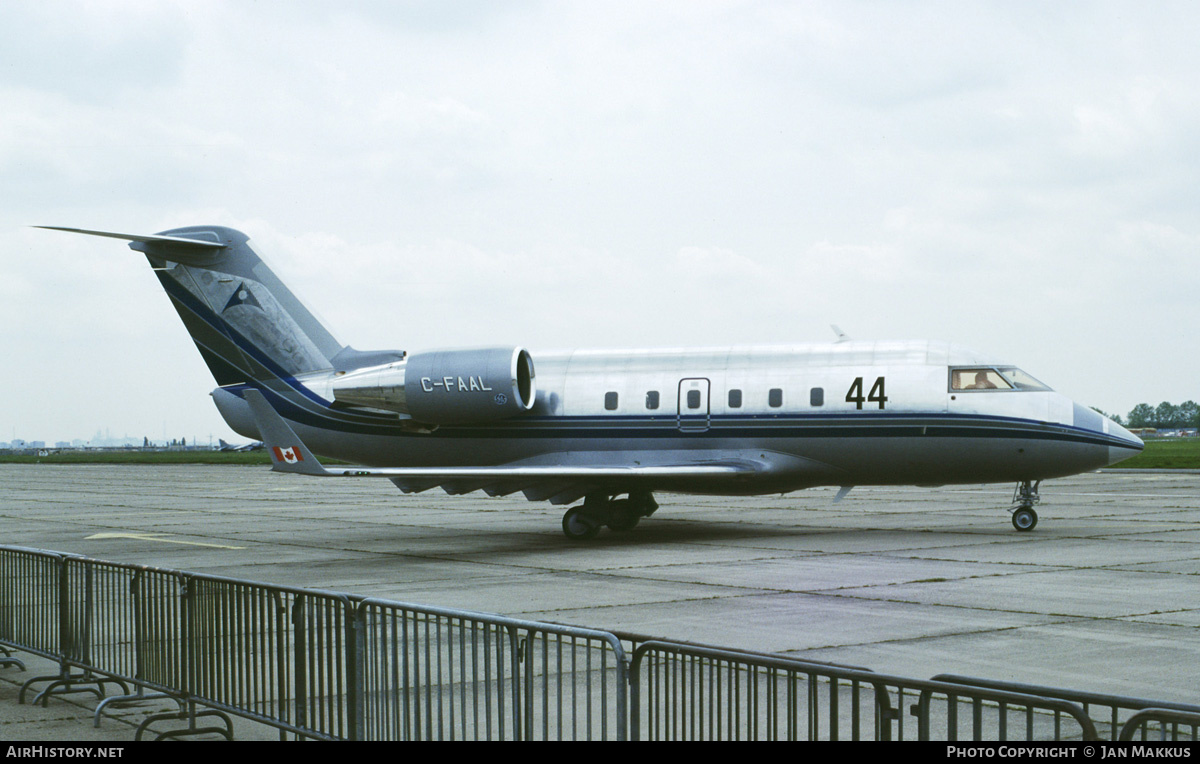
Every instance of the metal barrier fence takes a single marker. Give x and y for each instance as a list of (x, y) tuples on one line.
[(437, 674), (1170, 724), (696, 693), (30, 616), (333, 666), (317, 664), (1149, 720)]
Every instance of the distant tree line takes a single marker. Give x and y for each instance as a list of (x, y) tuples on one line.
[(1164, 416)]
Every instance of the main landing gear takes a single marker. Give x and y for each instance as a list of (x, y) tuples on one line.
[(1024, 518), (598, 510)]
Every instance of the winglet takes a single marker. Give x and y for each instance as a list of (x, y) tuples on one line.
[(841, 336), (288, 452)]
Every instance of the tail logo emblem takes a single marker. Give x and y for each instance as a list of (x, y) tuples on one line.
[(288, 455), (242, 296)]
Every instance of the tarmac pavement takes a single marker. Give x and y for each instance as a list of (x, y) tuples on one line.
[(1103, 596)]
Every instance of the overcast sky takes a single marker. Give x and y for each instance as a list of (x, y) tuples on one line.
[(1018, 178)]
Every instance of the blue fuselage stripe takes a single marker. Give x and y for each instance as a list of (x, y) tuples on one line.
[(802, 426)]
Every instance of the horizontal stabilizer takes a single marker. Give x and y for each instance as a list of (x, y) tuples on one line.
[(177, 248), (144, 238)]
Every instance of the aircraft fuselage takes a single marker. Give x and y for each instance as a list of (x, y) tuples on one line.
[(848, 413)]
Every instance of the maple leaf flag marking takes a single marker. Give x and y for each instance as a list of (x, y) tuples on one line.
[(289, 455)]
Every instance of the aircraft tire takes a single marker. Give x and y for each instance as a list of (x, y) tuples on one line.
[(1025, 519), (577, 526), (623, 516)]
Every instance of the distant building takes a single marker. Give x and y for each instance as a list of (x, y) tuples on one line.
[(1181, 432)]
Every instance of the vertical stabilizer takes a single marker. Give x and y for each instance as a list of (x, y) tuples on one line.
[(246, 323)]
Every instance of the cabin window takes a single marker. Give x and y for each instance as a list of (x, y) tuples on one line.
[(816, 396), (610, 401), (652, 399), (978, 379), (775, 397), (693, 399), (735, 399)]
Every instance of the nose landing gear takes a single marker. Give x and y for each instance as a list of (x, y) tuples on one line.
[(1024, 517), (584, 522)]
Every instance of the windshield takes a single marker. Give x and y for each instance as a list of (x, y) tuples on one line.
[(978, 379), (1021, 380), (993, 378)]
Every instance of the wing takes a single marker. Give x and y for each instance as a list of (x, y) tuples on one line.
[(558, 484)]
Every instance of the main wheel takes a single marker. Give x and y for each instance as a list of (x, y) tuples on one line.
[(577, 526), (1024, 519), (623, 515)]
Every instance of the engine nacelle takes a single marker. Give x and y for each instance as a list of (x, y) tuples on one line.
[(446, 386)]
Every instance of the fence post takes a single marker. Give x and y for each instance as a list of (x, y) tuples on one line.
[(355, 666), (521, 716), (299, 661), (65, 641), (191, 663), (885, 714)]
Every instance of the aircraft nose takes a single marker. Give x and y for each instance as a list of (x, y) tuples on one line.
[(1122, 443), (1127, 441)]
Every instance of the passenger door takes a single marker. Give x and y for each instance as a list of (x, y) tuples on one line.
[(693, 404)]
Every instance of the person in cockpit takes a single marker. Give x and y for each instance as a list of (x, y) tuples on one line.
[(981, 382)]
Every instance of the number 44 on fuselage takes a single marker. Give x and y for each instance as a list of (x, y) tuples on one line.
[(614, 427)]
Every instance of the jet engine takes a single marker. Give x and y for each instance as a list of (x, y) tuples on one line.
[(446, 386)]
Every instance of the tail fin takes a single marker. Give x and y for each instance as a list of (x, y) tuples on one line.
[(247, 325)]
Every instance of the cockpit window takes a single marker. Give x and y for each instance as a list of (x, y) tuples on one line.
[(978, 379), (993, 378), (1021, 380)]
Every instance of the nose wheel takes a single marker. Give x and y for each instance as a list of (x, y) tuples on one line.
[(1024, 517)]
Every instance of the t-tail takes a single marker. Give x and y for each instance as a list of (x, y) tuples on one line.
[(248, 326)]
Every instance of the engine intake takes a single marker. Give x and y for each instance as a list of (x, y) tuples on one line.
[(446, 386)]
